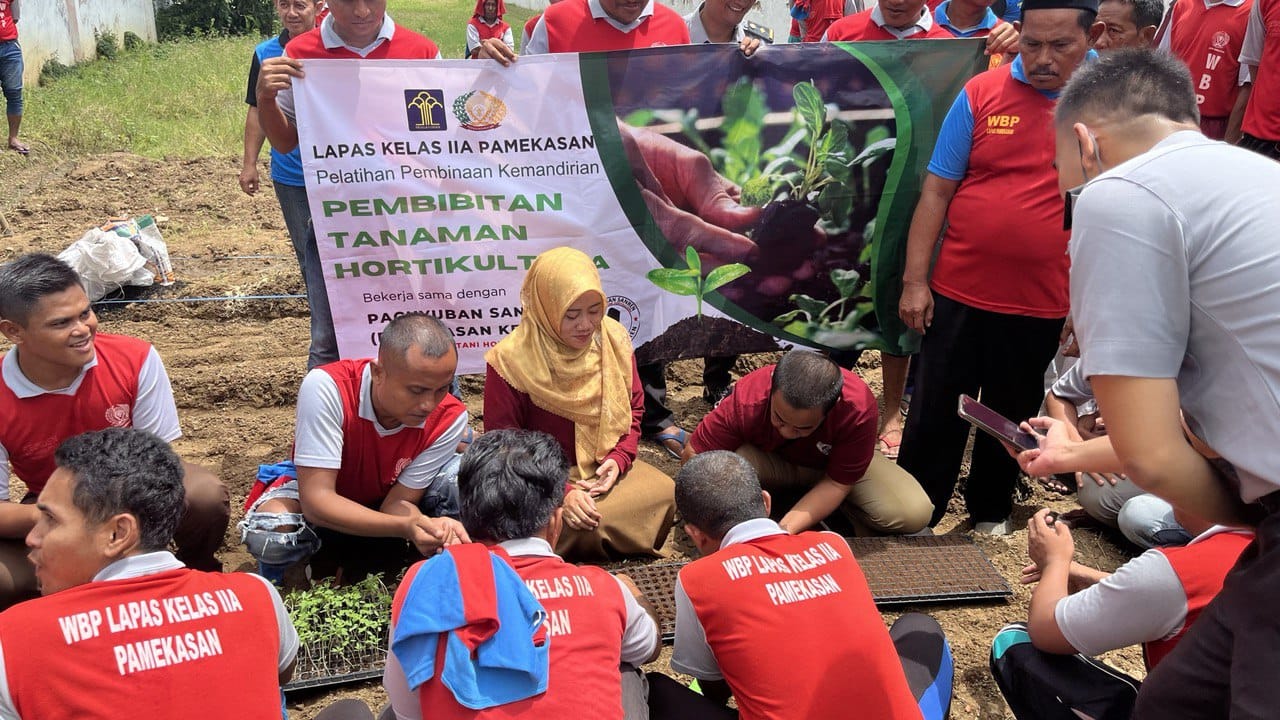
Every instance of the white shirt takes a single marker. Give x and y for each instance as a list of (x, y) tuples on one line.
[(539, 44), (691, 654), (639, 638), (1251, 49), (318, 439), (1183, 238), (153, 410), (331, 40), (1142, 601), (150, 564)]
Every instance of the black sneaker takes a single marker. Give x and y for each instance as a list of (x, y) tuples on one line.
[(713, 395)]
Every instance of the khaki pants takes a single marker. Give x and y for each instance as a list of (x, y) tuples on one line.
[(886, 501), (636, 518)]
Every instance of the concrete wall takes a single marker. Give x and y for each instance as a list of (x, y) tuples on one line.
[(770, 13), (64, 29)]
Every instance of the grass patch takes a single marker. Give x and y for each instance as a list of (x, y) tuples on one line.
[(185, 99)]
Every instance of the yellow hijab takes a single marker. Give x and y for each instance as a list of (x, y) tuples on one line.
[(590, 387)]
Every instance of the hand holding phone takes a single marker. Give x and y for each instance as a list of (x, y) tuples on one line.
[(995, 424)]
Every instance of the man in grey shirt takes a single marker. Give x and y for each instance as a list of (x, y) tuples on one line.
[(1175, 287)]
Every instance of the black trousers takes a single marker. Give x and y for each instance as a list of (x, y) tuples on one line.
[(1043, 686), (1268, 148), (1228, 663), (653, 376), (997, 358)]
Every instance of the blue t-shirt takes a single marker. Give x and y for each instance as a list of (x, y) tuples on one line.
[(955, 138), (286, 168)]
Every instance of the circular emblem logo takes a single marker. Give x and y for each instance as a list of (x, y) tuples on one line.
[(1220, 40), (478, 110), (118, 415), (401, 464), (626, 312)]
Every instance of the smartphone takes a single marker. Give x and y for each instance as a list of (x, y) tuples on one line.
[(997, 425)]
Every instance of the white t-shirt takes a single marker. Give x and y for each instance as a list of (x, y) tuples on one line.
[(153, 410), (318, 440), (639, 637), (150, 564), (1175, 273)]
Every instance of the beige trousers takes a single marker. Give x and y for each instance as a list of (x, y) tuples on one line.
[(636, 518), (886, 501)]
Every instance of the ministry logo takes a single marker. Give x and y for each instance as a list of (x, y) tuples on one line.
[(425, 110), (478, 110)]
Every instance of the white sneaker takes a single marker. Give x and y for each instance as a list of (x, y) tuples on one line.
[(994, 528)]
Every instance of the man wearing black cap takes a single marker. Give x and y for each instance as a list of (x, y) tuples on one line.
[(994, 304)]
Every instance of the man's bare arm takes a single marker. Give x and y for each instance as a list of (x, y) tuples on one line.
[(1143, 423)]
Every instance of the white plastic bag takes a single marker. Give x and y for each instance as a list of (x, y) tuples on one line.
[(153, 249), (106, 262)]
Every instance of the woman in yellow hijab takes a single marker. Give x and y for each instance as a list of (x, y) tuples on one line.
[(568, 370)]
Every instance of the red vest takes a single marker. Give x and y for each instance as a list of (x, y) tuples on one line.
[(586, 619), (570, 28), (497, 30), (1208, 40), (371, 463), (1004, 249), (1262, 117), (529, 25), (8, 28), (32, 428), (795, 631), (822, 14), (152, 647), (1201, 568), (853, 28), (404, 44)]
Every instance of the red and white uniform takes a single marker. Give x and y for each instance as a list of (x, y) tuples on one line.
[(842, 445), (478, 30), (8, 27), (789, 623), (1262, 50), (392, 43), (1153, 599), (584, 26), (1201, 567), (125, 385), (1004, 249), (869, 25), (149, 638), (338, 429), (1208, 37), (594, 622), (822, 13)]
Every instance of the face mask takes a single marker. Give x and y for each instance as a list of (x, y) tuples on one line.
[(1072, 195)]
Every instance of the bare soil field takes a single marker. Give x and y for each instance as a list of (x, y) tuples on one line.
[(236, 365)]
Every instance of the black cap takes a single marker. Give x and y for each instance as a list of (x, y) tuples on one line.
[(1090, 5)]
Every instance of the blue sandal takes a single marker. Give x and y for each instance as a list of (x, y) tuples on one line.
[(674, 434)]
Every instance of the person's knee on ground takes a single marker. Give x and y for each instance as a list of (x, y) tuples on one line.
[(927, 662), (1101, 502), (1147, 521), (17, 575), (888, 501), (205, 516), (276, 534)]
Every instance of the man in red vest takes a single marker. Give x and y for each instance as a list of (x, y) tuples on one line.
[(1208, 36), (486, 22), (993, 304), (1078, 611), (786, 622), (63, 378), (123, 628), (511, 486), (374, 449), (1255, 121)]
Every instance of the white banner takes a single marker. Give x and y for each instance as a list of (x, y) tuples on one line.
[(434, 184)]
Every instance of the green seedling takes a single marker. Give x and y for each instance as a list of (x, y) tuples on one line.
[(835, 324), (689, 280), (346, 619)]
